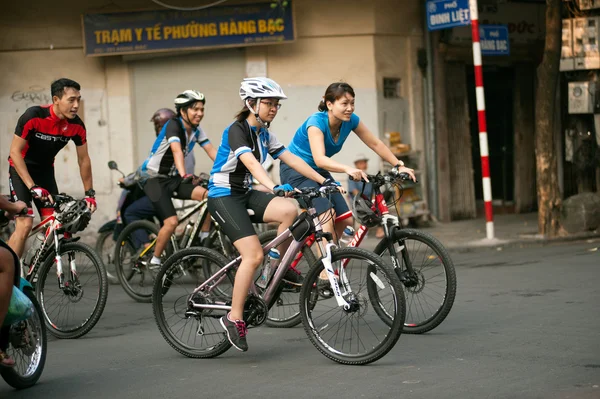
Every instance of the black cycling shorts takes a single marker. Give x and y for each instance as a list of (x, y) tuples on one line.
[(160, 190), (231, 212), (42, 176)]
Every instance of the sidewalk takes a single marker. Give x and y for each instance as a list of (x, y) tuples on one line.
[(511, 229)]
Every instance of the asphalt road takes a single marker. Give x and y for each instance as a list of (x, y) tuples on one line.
[(525, 324)]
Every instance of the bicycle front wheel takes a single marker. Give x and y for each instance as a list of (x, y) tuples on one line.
[(354, 335), (73, 310), (194, 333), (430, 287), (133, 251), (28, 346)]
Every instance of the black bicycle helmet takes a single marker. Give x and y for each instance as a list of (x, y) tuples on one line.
[(161, 117), (362, 210), (74, 216)]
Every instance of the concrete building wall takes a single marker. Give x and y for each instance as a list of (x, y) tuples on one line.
[(156, 82), (355, 41), (307, 67), (26, 81)]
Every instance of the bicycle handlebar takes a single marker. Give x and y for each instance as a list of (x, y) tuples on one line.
[(4, 219), (379, 179), (310, 193)]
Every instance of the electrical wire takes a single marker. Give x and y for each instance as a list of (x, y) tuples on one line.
[(160, 3)]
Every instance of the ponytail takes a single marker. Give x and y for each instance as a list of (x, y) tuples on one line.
[(245, 112), (322, 106)]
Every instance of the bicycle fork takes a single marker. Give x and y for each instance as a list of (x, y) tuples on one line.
[(407, 275), (333, 281), (63, 283)]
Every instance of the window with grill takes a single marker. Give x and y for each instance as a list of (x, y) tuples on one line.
[(391, 88)]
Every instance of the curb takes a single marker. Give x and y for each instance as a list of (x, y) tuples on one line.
[(525, 240)]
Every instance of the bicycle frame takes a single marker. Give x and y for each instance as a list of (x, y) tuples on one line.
[(176, 246), (269, 294), (51, 238), (387, 220)]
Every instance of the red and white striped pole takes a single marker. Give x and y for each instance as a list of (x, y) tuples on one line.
[(483, 141)]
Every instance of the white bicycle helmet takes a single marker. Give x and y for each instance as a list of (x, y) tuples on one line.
[(188, 97), (261, 88)]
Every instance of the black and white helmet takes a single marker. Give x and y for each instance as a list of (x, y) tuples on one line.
[(188, 97), (261, 88), (74, 216), (362, 210)]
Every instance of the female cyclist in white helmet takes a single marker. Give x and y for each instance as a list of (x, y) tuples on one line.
[(244, 146)]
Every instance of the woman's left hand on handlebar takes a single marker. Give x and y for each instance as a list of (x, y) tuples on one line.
[(330, 182), (284, 190), (404, 169)]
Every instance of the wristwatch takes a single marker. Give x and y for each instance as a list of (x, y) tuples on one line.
[(400, 164), (90, 193)]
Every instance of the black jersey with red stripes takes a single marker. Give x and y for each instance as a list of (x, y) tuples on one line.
[(47, 134)]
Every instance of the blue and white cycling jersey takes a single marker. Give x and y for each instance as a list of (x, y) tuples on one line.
[(161, 160), (300, 145), (229, 174)]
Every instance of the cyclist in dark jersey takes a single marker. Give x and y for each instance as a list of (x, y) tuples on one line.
[(245, 145), (166, 164), (9, 276), (41, 132)]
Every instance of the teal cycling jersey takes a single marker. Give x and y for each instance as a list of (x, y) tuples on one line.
[(300, 145)]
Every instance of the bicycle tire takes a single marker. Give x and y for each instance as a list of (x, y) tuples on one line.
[(159, 292), (125, 277), (414, 302), (13, 376), (310, 295), (107, 257), (95, 315), (294, 319)]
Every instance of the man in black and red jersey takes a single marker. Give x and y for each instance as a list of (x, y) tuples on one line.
[(42, 131)]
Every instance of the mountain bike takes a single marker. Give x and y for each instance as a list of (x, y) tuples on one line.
[(419, 259), (27, 342), (69, 277), (341, 326)]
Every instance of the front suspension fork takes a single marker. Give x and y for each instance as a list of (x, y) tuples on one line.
[(407, 272), (333, 281)]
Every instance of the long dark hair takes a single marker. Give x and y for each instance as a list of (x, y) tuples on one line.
[(245, 112), (334, 91)]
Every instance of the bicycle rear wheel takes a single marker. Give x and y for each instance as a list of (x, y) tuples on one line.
[(28, 345), (431, 289), (356, 335), (105, 248), (73, 310), (133, 252), (191, 332)]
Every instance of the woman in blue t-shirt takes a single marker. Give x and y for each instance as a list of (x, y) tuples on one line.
[(322, 136)]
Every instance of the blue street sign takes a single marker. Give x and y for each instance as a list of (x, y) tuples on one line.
[(443, 14), (494, 40)]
